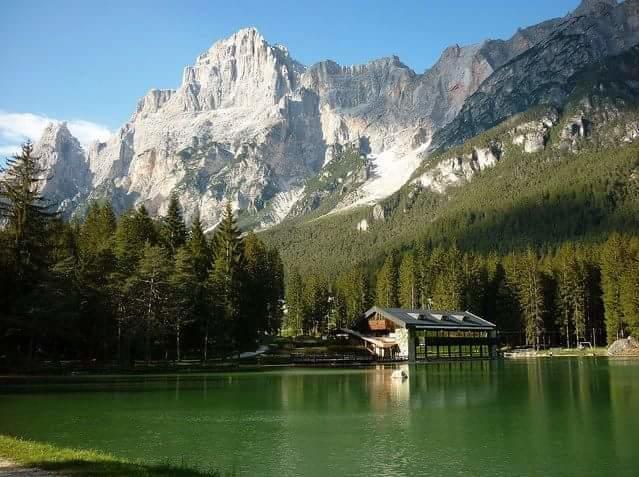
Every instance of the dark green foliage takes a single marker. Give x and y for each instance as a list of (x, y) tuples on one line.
[(386, 288), (111, 290), (226, 281), (173, 229), (27, 215)]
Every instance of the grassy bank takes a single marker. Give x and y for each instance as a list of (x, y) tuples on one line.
[(76, 462)]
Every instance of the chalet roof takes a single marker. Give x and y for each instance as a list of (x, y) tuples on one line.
[(433, 319)]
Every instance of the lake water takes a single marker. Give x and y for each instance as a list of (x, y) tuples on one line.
[(557, 416)]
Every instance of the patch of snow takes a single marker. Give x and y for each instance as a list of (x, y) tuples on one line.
[(283, 202), (362, 226), (391, 170)]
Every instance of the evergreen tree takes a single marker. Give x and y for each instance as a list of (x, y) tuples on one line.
[(200, 249), (27, 219), (408, 286), (135, 229), (151, 291), (613, 261), (386, 287), (294, 303), (186, 293), (316, 305), (528, 283), (447, 279), (27, 215), (174, 233), (226, 279), (353, 291)]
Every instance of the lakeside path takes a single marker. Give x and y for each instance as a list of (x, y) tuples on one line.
[(11, 469)]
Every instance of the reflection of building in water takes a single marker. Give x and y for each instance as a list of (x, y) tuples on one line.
[(453, 384), (386, 391), (418, 335)]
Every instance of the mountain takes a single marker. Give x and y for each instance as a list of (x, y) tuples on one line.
[(281, 140), (539, 178)]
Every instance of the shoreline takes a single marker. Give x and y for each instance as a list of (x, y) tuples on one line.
[(35, 459), (187, 370)]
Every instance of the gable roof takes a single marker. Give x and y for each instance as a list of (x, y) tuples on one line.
[(433, 319)]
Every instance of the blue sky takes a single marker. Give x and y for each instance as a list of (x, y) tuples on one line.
[(88, 62)]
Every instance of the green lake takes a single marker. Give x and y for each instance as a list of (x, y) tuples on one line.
[(545, 417)]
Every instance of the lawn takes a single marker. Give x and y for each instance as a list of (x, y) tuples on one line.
[(76, 462)]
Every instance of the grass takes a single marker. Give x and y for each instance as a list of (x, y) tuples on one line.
[(75, 462)]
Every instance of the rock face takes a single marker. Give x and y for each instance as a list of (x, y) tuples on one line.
[(544, 73), (60, 152), (251, 125)]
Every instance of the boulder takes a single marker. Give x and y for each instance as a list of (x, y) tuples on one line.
[(624, 347)]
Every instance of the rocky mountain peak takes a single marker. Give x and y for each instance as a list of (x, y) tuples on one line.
[(240, 71), (252, 125), (56, 132), (596, 7)]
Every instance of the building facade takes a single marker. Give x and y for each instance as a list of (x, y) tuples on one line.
[(417, 335)]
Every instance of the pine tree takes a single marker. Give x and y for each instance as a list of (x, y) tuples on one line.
[(186, 292), (26, 218), (199, 248), (226, 279), (528, 283), (316, 305), (135, 229), (447, 279), (173, 228), (151, 291), (613, 262), (275, 291), (27, 215), (353, 291), (294, 303), (408, 294), (386, 287)]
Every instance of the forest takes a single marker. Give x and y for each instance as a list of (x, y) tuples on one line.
[(110, 289), (107, 289), (568, 295)]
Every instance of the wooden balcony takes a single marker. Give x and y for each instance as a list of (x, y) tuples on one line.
[(378, 325)]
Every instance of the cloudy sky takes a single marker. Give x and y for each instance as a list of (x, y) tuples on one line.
[(88, 63)]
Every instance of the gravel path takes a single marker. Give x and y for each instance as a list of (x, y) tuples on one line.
[(10, 469)]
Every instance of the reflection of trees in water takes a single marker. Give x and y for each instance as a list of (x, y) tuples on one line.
[(624, 405)]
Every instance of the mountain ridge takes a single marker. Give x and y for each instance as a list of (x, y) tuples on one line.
[(252, 125)]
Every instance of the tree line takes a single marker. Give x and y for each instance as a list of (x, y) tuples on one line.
[(567, 294), (110, 288)]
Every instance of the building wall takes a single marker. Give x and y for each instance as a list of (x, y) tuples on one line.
[(402, 337)]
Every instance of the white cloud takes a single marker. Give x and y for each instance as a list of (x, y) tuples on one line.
[(16, 128)]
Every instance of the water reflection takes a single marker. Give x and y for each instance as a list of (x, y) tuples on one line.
[(550, 416)]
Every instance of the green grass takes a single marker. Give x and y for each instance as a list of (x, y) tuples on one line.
[(75, 462)]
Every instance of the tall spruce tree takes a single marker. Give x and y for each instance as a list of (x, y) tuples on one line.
[(613, 260), (173, 229), (151, 291), (204, 308), (386, 286), (27, 221), (528, 282), (226, 280), (186, 293), (294, 303), (27, 215), (408, 286)]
